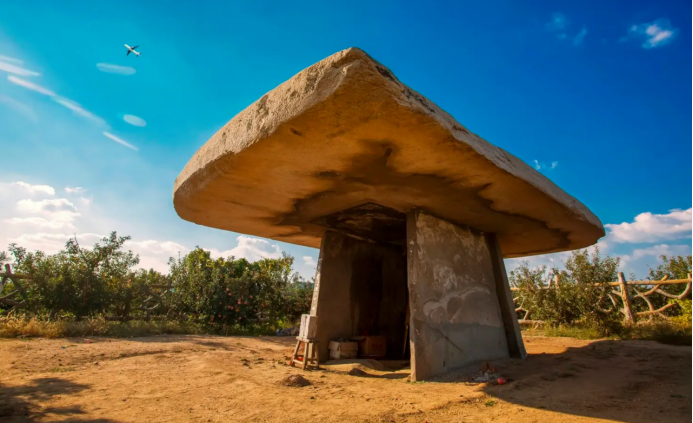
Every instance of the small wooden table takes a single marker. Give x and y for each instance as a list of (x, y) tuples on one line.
[(310, 352)]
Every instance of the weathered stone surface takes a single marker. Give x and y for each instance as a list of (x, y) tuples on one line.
[(345, 132), (360, 287), (456, 318)]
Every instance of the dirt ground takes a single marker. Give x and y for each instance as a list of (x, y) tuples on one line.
[(217, 379)]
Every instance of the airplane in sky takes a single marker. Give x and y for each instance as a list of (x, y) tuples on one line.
[(131, 50)]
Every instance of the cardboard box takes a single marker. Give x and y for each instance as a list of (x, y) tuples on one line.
[(309, 327), (371, 346), (342, 350)]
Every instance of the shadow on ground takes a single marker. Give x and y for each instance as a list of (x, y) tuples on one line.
[(633, 381), (26, 403)]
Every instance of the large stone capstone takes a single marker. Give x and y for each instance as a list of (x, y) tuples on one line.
[(344, 145)]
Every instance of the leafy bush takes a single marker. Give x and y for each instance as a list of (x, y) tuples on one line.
[(576, 298), (223, 294), (683, 318)]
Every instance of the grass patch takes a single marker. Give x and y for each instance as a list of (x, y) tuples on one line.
[(60, 369), (666, 331), (24, 327)]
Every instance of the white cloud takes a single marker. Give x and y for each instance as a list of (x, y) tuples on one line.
[(38, 222), (50, 206), (654, 34), (120, 70), (251, 248), (155, 254), (648, 227), (579, 38), (75, 107), (135, 120), (656, 251), (119, 140), (19, 107), (554, 165), (75, 190), (54, 213), (26, 187), (30, 85), (309, 261)]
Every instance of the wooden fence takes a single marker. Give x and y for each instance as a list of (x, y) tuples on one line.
[(16, 298), (622, 298)]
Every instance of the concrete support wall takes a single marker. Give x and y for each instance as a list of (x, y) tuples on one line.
[(456, 316), (360, 286)]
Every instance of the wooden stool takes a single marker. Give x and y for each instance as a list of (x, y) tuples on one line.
[(310, 352)]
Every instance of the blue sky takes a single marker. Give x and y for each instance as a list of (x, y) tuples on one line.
[(595, 95)]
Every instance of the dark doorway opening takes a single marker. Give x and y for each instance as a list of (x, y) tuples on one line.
[(373, 252)]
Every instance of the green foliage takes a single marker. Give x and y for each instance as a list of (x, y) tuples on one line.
[(580, 307), (576, 298), (678, 267), (225, 294), (683, 318)]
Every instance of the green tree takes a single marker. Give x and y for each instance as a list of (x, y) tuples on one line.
[(675, 267), (577, 297), (76, 281)]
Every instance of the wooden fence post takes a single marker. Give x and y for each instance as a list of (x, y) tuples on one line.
[(627, 310)]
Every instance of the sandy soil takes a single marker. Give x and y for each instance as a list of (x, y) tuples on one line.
[(215, 379)]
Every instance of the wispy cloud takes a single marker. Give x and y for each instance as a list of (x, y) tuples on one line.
[(558, 23), (78, 109), (30, 85), (655, 34), (309, 261), (541, 165), (75, 190), (135, 120), (65, 102), (580, 36), (560, 26), (119, 141), (15, 69), (19, 107), (8, 59), (120, 70)]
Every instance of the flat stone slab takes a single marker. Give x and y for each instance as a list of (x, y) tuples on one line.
[(345, 132)]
